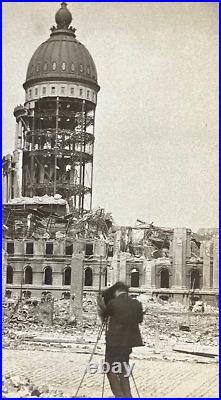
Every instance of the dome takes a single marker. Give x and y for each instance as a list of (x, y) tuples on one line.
[(62, 56)]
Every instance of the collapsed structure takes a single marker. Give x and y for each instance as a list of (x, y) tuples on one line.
[(53, 241)]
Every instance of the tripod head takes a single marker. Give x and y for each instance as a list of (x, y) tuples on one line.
[(109, 294)]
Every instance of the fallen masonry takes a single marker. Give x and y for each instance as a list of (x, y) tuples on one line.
[(162, 323), (26, 330), (15, 386)]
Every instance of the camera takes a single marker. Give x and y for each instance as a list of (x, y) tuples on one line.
[(108, 294)]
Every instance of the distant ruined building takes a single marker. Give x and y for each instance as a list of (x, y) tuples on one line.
[(54, 242)]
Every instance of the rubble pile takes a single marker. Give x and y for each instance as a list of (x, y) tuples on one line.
[(157, 304), (51, 217), (46, 315), (15, 386), (163, 323)]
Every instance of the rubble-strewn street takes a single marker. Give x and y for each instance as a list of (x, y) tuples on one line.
[(174, 340)]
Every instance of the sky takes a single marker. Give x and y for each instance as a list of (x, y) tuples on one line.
[(156, 147)]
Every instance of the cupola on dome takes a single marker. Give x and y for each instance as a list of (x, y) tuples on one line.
[(63, 17), (62, 56)]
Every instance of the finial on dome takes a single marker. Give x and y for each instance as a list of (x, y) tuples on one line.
[(63, 17)]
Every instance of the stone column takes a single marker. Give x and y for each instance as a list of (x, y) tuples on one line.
[(153, 274), (205, 249), (147, 267), (18, 173), (76, 289), (117, 242), (215, 262), (4, 273), (179, 257), (16, 135), (115, 266), (123, 267)]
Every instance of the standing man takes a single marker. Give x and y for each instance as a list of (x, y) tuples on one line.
[(124, 315)]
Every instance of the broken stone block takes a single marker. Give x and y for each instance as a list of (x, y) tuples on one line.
[(16, 381), (35, 393)]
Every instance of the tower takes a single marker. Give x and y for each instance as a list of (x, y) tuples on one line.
[(55, 127)]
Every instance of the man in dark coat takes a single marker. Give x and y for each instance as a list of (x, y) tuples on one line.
[(124, 315)]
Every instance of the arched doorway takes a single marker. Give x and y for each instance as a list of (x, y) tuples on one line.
[(67, 276), (195, 279), (88, 277), (164, 278), (47, 280), (135, 278), (9, 275), (28, 275)]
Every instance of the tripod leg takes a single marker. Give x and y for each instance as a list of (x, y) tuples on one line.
[(138, 395), (91, 356), (102, 395)]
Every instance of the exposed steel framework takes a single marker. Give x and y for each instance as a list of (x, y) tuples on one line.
[(58, 147)]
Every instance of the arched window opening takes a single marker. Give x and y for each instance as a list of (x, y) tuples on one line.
[(9, 275), (67, 276), (88, 277), (195, 279), (164, 278), (135, 278), (8, 294), (28, 275), (47, 280)]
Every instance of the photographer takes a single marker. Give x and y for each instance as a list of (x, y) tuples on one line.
[(123, 316)]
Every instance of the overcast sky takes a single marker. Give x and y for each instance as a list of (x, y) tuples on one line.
[(156, 152)]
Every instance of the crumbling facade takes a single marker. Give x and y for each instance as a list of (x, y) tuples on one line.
[(93, 254), (53, 241)]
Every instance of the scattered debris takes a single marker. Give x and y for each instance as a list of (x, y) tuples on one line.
[(15, 386), (197, 349)]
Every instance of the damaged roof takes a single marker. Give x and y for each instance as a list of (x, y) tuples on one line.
[(57, 199)]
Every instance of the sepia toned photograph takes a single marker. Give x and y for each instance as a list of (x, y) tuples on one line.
[(110, 238)]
